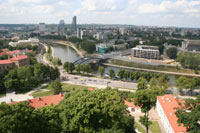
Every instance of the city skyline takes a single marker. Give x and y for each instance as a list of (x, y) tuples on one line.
[(172, 13)]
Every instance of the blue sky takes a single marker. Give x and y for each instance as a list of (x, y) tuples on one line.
[(181, 13)]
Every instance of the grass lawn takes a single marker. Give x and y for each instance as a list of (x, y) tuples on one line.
[(154, 127), (151, 67), (41, 93), (72, 87), (65, 87), (140, 129), (2, 93)]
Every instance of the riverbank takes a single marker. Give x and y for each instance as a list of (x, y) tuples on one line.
[(149, 70), (79, 52)]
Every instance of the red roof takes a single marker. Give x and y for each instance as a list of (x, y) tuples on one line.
[(91, 89), (5, 62), (44, 101), (20, 57), (130, 104), (169, 103)]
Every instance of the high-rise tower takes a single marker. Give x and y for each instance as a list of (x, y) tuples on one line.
[(74, 26)]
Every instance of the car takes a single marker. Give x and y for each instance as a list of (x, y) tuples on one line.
[(75, 77), (89, 80)]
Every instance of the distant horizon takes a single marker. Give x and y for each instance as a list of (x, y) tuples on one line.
[(101, 24)]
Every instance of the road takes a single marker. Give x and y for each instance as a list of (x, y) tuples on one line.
[(97, 82)]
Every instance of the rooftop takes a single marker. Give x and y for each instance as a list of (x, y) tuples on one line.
[(169, 103), (5, 62), (44, 101), (20, 57)]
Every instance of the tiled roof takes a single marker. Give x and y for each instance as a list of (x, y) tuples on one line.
[(169, 103), (44, 101), (130, 104), (20, 57), (5, 62)]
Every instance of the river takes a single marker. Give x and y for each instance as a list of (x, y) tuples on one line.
[(65, 53), (68, 54)]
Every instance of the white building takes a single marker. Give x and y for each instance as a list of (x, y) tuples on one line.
[(143, 51), (42, 27), (132, 107), (165, 107), (30, 41)]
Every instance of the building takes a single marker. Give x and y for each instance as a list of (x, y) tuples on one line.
[(74, 24), (44, 101), (61, 27), (21, 60), (17, 61), (165, 107), (191, 45), (30, 41), (101, 48), (42, 28), (6, 64), (15, 52), (132, 107), (143, 51), (122, 31)]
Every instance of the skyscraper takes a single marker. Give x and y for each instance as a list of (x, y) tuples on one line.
[(61, 27), (74, 26)]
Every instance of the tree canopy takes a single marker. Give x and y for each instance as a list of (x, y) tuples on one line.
[(95, 111)]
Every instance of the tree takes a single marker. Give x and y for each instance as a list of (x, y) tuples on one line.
[(56, 86), (172, 52), (18, 118), (146, 99), (126, 75), (71, 67), (142, 84), (121, 74), (66, 64), (101, 70), (40, 71), (162, 83), (95, 114), (43, 51), (26, 77), (50, 120), (88, 46), (153, 83), (78, 69), (112, 73), (57, 61), (189, 115), (180, 83)]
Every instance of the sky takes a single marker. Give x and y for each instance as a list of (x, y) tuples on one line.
[(178, 13)]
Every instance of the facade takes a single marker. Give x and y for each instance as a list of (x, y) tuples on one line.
[(61, 27), (165, 107), (6, 64), (18, 61), (101, 48), (22, 60), (74, 24), (30, 41), (143, 51), (42, 28), (132, 107), (191, 45)]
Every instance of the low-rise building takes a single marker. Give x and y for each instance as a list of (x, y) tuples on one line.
[(6, 64), (191, 45), (132, 107), (30, 41), (103, 47), (18, 61), (165, 107), (143, 51)]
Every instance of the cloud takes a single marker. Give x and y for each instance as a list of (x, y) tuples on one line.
[(140, 12)]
